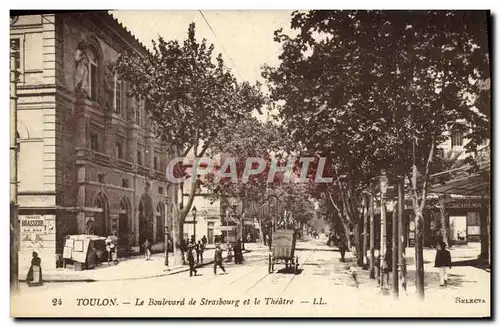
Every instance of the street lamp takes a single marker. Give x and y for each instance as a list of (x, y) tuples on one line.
[(194, 211), (166, 245), (383, 190)]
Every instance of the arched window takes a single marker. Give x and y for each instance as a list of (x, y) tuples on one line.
[(93, 73), (160, 222)]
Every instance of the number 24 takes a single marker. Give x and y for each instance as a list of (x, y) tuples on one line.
[(56, 302)]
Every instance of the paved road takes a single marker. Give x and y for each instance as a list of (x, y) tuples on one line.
[(323, 287)]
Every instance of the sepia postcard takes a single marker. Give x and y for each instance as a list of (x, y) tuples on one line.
[(317, 163)]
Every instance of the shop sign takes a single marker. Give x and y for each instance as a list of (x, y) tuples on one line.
[(32, 229), (463, 204)]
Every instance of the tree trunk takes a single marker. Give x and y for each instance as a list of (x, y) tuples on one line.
[(365, 234), (419, 253), (261, 232), (483, 229), (395, 278), (177, 233), (372, 237), (357, 241), (443, 222)]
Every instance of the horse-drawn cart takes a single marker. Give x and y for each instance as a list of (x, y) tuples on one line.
[(283, 250)]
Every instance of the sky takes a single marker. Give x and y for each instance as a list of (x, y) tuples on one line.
[(245, 38)]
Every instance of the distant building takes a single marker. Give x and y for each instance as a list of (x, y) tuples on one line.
[(89, 162)]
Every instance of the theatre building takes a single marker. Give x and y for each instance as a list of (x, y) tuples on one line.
[(88, 161)]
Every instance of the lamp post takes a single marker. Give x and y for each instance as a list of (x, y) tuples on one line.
[(383, 190), (194, 211), (166, 245)]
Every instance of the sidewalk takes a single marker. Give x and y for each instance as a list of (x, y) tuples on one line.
[(463, 280), (131, 268)]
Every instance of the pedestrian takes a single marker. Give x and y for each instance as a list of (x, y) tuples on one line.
[(229, 252), (353, 271), (147, 249), (268, 241), (238, 254), (34, 277), (218, 259), (204, 241), (190, 257), (199, 252), (108, 251), (193, 241), (249, 238), (114, 254), (442, 262)]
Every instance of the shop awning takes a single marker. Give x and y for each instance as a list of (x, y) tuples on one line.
[(478, 184)]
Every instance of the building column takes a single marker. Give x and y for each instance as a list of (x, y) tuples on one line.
[(109, 137), (150, 151), (131, 153)]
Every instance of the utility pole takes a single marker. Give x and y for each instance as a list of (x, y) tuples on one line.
[(14, 148), (401, 245), (372, 236)]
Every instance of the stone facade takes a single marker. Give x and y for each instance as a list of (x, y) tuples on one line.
[(88, 160)]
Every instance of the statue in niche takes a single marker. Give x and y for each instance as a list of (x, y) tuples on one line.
[(82, 69), (89, 227), (109, 86)]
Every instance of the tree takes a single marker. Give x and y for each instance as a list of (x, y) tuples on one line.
[(377, 89), (189, 99), (288, 204)]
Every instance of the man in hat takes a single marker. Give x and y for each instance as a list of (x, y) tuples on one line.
[(190, 257), (218, 259)]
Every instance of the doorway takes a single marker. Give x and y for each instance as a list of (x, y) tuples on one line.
[(458, 229)]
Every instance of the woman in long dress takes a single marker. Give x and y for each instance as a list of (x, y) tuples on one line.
[(34, 277)]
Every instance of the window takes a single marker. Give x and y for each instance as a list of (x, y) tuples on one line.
[(118, 96), (119, 149), (139, 158), (94, 142), (100, 178), (15, 49), (456, 138), (125, 183), (93, 75), (33, 44), (155, 163)]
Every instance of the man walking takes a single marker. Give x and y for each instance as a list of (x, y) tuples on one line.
[(442, 262), (199, 252), (218, 259), (190, 257)]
